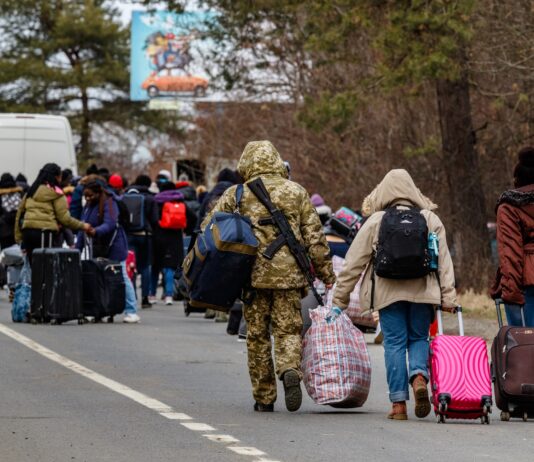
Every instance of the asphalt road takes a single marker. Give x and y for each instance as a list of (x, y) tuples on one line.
[(53, 410)]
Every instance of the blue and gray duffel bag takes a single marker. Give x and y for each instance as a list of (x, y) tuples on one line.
[(218, 267)]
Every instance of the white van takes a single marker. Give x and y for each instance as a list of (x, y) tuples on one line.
[(28, 141)]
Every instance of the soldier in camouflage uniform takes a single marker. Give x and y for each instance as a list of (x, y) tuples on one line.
[(278, 284)]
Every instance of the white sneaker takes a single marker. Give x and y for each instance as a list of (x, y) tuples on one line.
[(131, 318), (152, 299), (168, 300)]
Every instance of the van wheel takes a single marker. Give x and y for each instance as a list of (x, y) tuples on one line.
[(199, 91), (152, 91)]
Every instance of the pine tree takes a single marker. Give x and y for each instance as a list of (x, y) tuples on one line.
[(70, 57)]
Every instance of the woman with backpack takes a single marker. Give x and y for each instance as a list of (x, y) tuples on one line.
[(401, 220), (43, 212), (109, 238), (10, 200), (174, 219), (515, 242)]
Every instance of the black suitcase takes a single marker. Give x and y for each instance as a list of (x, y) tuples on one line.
[(56, 286), (512, 366), (104, 290)]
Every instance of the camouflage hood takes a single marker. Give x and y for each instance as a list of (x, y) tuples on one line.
[(397, 186), (260, 158)]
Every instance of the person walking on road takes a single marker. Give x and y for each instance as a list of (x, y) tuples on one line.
[(143, 220), (10, 200), (277, 285), (109, 238), (43, 210), (515, 242), (405, 306), (168, 241)]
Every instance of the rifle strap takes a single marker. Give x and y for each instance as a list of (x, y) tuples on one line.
[(274, 247)]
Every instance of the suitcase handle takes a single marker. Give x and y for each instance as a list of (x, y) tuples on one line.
[(498, 303), (460, 320)]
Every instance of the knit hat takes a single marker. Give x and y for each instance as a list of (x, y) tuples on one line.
[(317, 200), (524, 170), (165, 174), (115, 181)]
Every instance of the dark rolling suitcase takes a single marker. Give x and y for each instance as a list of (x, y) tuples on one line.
[(56, 286), (512, 361), (104, 290)]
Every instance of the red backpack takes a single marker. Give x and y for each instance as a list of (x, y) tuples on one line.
[(173, 216)]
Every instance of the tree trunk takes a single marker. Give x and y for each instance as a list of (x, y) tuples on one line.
[(85, 132), (470, 237)]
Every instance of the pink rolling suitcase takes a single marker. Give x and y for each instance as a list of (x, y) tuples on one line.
[(460, 375)]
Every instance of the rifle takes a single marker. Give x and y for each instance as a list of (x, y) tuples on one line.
[(286, 236)]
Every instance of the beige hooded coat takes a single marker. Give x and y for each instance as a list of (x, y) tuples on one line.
[(396, 189)]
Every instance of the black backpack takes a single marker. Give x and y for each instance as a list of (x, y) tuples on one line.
[(135, 202), (402, 250), (124, 215)]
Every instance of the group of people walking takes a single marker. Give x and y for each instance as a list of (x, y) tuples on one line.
[(103, 216), (116, 218), (405, 305)]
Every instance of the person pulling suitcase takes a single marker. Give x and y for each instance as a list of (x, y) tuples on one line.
[(401, 282), (109, 238)]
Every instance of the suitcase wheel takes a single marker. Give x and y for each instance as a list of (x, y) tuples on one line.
[(505, 416), (485, 419)]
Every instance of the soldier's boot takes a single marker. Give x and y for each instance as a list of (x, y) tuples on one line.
[(260, 407), (293, 393)]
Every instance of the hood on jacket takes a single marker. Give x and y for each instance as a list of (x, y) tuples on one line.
[(169, 196), (188, 192), (260, 158), (47, 193), (520, 197), (219, 188), (397, 186), (141, 189)]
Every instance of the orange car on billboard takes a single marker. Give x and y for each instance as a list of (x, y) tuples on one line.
[(174, 81)]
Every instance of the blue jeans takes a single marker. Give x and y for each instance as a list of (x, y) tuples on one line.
[(168, 282), (131, 301), (513, 312), (405, 326), (142, 247)]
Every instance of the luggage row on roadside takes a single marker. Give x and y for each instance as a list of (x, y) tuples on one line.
[(63, 288)]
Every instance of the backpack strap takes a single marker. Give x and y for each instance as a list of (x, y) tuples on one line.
[(238, 196)]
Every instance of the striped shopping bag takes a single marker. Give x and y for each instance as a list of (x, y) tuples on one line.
[(335, 361)]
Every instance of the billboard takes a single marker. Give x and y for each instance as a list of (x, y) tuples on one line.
[(166, 57)]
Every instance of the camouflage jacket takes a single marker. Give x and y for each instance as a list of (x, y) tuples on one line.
[(261, 159)]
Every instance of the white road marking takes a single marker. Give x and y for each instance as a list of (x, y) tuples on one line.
[(176, 416), (198, 427), (226, 439), (242, 451), (153, 404)]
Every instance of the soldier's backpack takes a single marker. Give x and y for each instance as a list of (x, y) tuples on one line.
[(402, 250), (135, 202), (219, 265), (173, 216)]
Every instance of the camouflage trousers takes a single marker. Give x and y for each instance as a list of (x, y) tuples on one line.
[(281, 310)]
